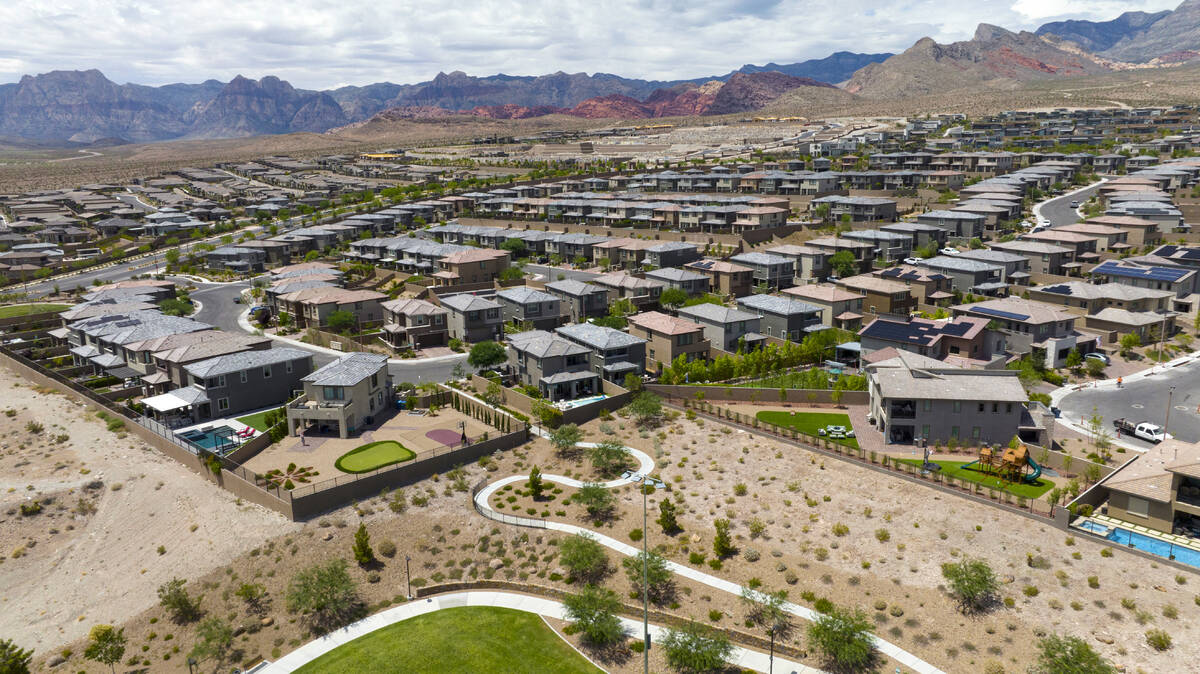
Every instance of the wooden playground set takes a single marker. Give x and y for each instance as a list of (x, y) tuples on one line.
[(1009, 464)]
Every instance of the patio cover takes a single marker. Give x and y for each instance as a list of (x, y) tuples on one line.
[(165, 402)]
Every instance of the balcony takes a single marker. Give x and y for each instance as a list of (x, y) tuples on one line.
[(902, 409)]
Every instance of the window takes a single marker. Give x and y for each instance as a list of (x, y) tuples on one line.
[(926, 405), (266, 372), (925, 431), (974, 432), (242, 375), (1008, 408), (288, 366), (1138, 506), (957, 406), (333, 393), (954, 431), (995, 408), (222, 404), (981, 408), (375, 380)]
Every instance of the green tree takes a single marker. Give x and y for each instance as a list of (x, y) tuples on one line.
[(537, 486), (695, 648), (583, 557), (594, 611), (667, 511), (486, 354), (722, 541), (673, 297), (843, 638), (609, 457), (646, 408), (106, 645), (512, 273), (660, 582), (363, 554), (1069, 655), (597, 499), (1074, 359), (1095, 367), (253, 594), (844, 264), (173, 596), (972, 582), (565, 437), (516, 247), (1129, 342), (633, 382), (546, 413), (767, 611), (339, 321), (312, 256), (214, 641), (494, 393), (326, 596), (13, 658)]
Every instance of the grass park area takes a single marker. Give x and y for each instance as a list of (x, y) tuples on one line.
[(257, 421), (955, 469), (809, 423), (373, 455), (463, 639), (27, 309)]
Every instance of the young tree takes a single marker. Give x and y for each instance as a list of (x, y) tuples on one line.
[(660, 582), (766, 611), (494, 393), (1074, 359), (722, 541), (1129, 342), (666, 517), (214, 641), (843, 637), (486, 354), (173, 597), (536, 485), (1058, 654), (548, 415), (594, 610), (1095, 367), (695, 648), (106, 645), (13, 658), (326, 595), (564, 438), (609, 457), (972, 582), (583, 557), (673, 297), (646, 408), (339, 321), (844, 264), (633, 382), (363, 554), (253, 594)]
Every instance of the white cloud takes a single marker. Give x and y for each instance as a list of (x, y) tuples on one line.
[(318, 44)]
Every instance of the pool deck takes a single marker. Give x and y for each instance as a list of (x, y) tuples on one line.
[(1175, 539)]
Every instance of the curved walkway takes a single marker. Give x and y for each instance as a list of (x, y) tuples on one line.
[(481, 505), (741, 657)]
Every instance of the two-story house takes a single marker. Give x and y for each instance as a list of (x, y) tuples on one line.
[(840, 308), (614, 354), (668, 337), (312, 307), (473, 318), (783, 317), (691, 282), (671, 254), (1044, 258), (579, 300), (478, 265), (727, 328), (882, 296), (558, 367), (415, 324), (642, 292), (725, 278), (524, 305), (1028, 326), (343, 396), (775, 271)]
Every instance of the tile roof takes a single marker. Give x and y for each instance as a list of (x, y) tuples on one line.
[(542, 344), (663, 323), (574, 288), (1150, 476), (823, 292), (948, 383), (468, 302), (713, 313), (525, 294), (348, 370), (598, 336), (236, 362), (775, 304), (413, 307), (1018, 309)]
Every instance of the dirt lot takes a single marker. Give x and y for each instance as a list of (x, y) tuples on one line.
[(74, 565)]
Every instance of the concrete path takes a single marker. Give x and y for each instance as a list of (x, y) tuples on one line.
[(741, 657)]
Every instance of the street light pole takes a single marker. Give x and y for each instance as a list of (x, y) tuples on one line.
[(407, 576), (648, 484), (1170, 394)]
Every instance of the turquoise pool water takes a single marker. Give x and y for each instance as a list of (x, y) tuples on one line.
[(215, 440), (1144, 543)]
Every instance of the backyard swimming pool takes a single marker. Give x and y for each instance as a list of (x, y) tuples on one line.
[(219, 440), (1142, 542)]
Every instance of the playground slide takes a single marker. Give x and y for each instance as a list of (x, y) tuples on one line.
[(1032, 478)]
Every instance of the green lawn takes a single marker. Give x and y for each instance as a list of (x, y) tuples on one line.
[(26, 309), (464, 639), (810, 422), (257, 421), (955, 469), (373, 455)]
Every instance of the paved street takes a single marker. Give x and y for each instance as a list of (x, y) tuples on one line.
[(551, 274), (1059, 212), (1145, 400)]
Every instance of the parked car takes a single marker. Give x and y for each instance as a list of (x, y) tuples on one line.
[(948, 251), (912, 260), (1144, 430), (1074, 204), (1096, 355)]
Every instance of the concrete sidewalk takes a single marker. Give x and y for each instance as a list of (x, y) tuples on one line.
[(740, 657)]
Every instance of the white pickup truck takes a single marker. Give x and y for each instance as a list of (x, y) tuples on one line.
[(1144, 430)]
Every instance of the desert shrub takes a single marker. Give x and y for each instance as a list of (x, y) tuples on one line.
[(1159, 640)]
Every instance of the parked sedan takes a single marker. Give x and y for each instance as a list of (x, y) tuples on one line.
[(912, 260), (948, 251), (1096, 355)]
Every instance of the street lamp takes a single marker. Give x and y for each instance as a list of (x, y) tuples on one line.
[(407, 576), (648, 484), (1167, 421)]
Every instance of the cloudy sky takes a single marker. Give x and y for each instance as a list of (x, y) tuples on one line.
[(322, 44)]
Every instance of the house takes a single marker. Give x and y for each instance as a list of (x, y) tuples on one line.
[(1083, 247), (812, 264), (882, 296), (863, 252), (312, 307), (1159, 490), (667, 338), (556, 366), (857, 209), (889, 246), (642, 292), (968, 276), (1030, 326), (524, 305), (414, 324), (914, 397), (1108, 238), (922, 235), (1179, 280), (239, 259), (783, 317), (578, 299), (725, 278), (343, 396), (614, 354), (1141, 232), (160, 362), (1092, 298), (1147, 325), (774, 271), (958, 224), (728, 329), (231, 384), (692, 283), (473, 318), (479, 265), (1015, 267), (840, 308), (964, 337), (671, 254), (1044, 258)]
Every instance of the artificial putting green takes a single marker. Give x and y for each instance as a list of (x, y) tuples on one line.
[(373, 455), (29, 309), (955, 470), (810, 422), (463, 639)]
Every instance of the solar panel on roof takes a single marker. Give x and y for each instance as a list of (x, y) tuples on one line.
[(896, 332), (1059, 289), (988, 311)]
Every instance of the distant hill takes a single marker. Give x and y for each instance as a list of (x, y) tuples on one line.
[(1172, 38), (1097, 36), (835, 68)]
